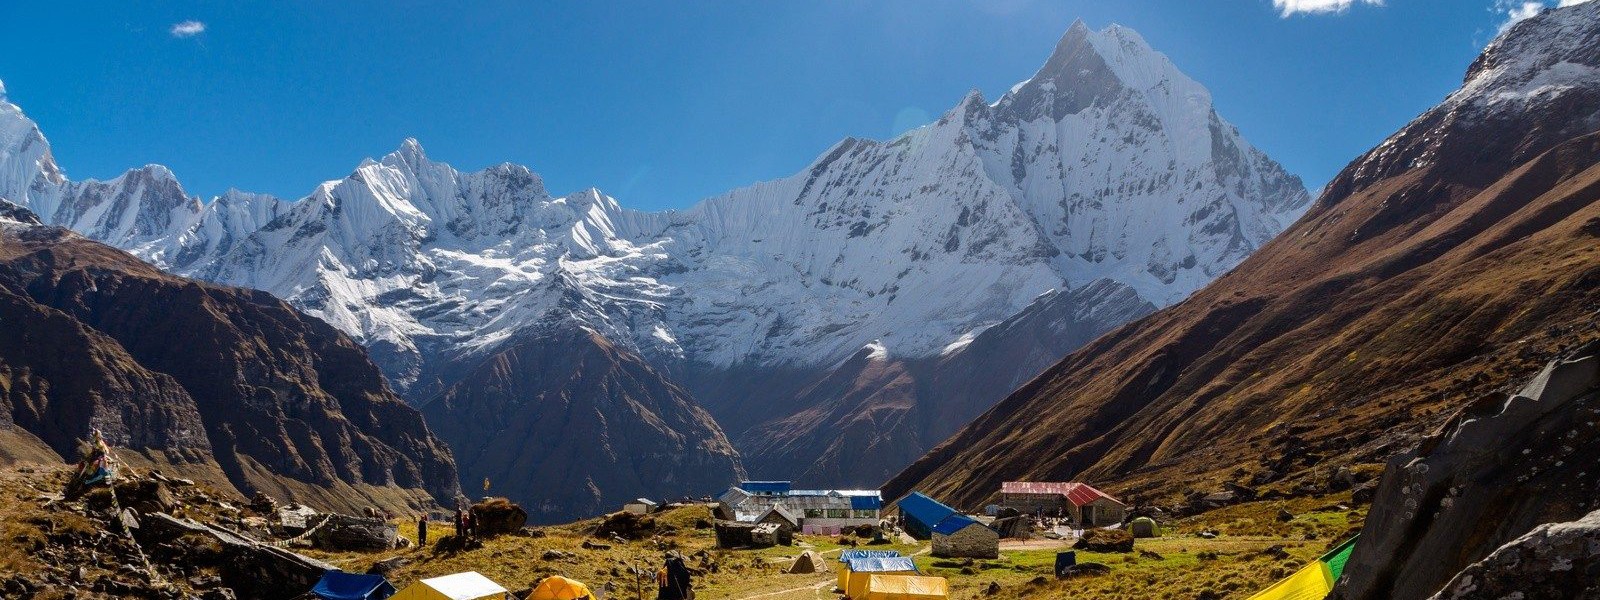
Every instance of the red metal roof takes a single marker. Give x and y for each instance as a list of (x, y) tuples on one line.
[(1078, 493)]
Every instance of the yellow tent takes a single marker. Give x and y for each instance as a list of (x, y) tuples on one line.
[(859, 580), (556, 587), (1315, 580), (461, 586), (904, 587)]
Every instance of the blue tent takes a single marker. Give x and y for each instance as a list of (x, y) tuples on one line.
[(339, 585), (848, 555), (889, 564), (922, 514)]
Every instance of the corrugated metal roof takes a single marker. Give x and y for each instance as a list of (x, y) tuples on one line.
[(954, 523), (1085, 493), (866, 502), (924, 510), (765, 487), (1076, 492)]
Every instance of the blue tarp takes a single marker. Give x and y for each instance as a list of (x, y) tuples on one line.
[(847, 555), (865, 502), (892, 564), (922, 513), (765, 487), (954, 523), (339, 585)]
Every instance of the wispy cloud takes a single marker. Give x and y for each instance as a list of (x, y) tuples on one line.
[(188, 29), (1289, 8), (1517, 11)]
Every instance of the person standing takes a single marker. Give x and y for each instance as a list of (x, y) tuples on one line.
[(422, 530), (461, 522)]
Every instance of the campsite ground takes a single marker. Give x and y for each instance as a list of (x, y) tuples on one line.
[(1252, 550)]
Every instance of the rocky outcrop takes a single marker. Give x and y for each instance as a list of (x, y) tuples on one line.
[(253, 570), (1556, 560), (1354, 334), (227, 385), (568, 425), (1466, 500)]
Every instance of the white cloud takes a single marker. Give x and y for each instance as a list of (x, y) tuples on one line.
[(1292, 7), (1516, 11), (188, 29)]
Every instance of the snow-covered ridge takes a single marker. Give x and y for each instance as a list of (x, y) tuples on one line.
[(1108, 164)]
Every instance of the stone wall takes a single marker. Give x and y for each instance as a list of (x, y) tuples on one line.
[(972, 541)]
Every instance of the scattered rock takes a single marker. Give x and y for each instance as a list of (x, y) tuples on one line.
[(1284, 516), (388, 565), (1085, 569)]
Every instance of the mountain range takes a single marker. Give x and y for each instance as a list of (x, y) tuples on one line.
[(1446, 264), (828, 327), (228, 386)]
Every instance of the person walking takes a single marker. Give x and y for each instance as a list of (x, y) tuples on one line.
[(679, 584), (422, 530)]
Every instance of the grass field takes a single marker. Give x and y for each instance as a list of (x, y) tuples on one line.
[(1253, 549)]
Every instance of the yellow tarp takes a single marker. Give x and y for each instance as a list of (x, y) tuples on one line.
[(858, 582), (904, 587), (844, 576), (1311, 583), (556, 587)]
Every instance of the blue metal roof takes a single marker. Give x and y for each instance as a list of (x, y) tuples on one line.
[(866, 502), (765, 487), (847, 555), (889, 564), (924, 510), (954, 523)]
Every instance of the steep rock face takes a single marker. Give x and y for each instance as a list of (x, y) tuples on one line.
[(1349, 336), (1556, 560), (869, 417), (193, 374), (1503, 467), (577, 425)]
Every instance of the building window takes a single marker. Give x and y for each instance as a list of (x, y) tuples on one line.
[(838, 513), (813, 513), (865, 513)]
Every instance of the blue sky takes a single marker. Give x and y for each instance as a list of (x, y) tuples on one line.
[(664, 103)]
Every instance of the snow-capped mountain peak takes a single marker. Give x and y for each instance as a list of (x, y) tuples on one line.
[(1108, 164)]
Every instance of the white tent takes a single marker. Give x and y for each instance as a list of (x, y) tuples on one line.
[(461, 586)]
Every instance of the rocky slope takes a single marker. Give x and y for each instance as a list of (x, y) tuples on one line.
[(1481, 498), (1447, 262), (866, 419), (577, 423), (226, 385), (1108, 169)]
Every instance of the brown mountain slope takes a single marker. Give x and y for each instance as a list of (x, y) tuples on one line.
[(1444, 264), (572, 426), (224, 384), (871, 416)]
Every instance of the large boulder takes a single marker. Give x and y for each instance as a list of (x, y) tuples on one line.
[(1499, 469), (1560, 560), (344, 532), (1105, 540), (498, 516)]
